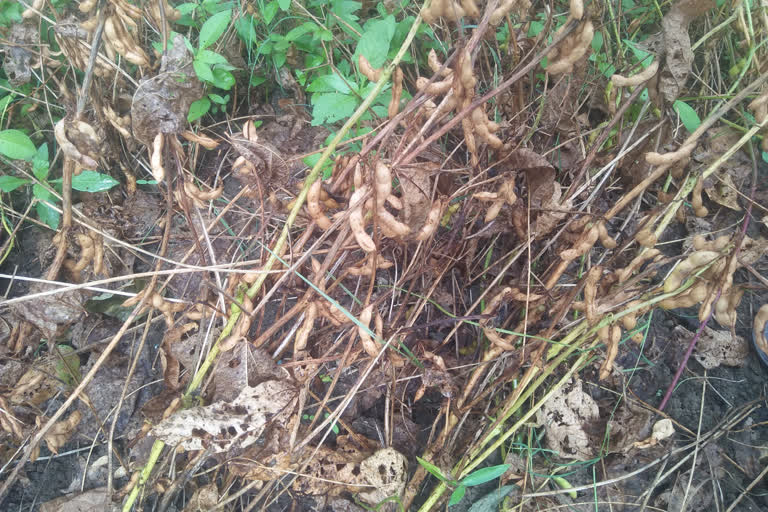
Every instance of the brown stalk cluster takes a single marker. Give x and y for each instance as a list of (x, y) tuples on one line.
[(121, 28), (451, 10), (714, 271), (575, 45), (457, 87)]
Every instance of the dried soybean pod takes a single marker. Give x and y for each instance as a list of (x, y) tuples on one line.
[(356, 222), (369, 345), (313, 205)]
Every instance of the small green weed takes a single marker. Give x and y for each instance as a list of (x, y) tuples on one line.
[(16, 145), (477, 477)]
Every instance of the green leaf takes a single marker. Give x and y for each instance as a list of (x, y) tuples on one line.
[(642, 56), (40, 163), (331, 107), (329, 83), (484, 475), (186, 8), (217, 99), (457, 495), (203, 70), (257, 80), (432, 469), (213, 28), (11, 183), (490, 502), (223, 79), (210, 57), (269, 12), (278, 59), (198, 109), (374, 44), (284, 4), (299, 31), (244, 26), (688, 116), (68, 366), (42, 193), (47, 215), (92, 181), (16, 145)]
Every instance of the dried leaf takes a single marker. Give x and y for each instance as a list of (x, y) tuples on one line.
[(161, 103), (565, 416), (538, 171), (716, 348), (61, 431), (723, 191), (225, 426), (386, 470), (94, 500), (18, 55), (677, 46), (51, 312)]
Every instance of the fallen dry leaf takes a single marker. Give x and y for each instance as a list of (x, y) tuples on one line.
[(224, 426), (716, 348), (50, 313), (723, 191), (677, 46), (565, 416), (94, 500), (18, 61), (61, 431), (161, 103), (203, 499)]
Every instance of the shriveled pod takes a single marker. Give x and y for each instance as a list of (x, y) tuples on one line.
[(33, 9), (206, 142), (432, 221), (638, 78), (670, 158), (85, 5), (356, 220), (314, 208), (590, 294), (397, 93), (200, 196), (501, 11), (156, 160), (367, 70), (390, 226), (369, 345), (302, 335), (695, 260), (366, 270), (434, 88), (382, 183), (582, 246), (69, 149), (696, 202), (612, 351), (605, 238), (87, 251), (435, 65)]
